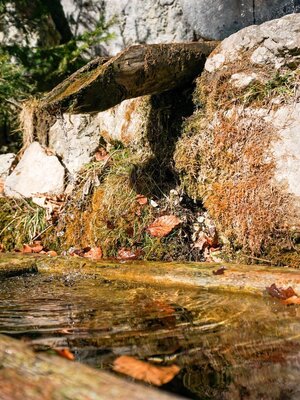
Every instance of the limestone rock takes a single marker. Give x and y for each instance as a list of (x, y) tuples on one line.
[(75, 138), (161, 21), (6, 161), (36, 173), (241, 155), (275, 43)]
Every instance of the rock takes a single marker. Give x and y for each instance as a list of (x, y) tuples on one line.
[(6, 161), (274, 43), (162, 21), (36, 173), (241, 154), (75, 139)]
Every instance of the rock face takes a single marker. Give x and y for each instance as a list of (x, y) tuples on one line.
[(75, 139), (161, 21), (240, 152), (36, 173)]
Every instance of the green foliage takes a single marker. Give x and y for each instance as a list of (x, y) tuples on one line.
[(27, 69), (47, 66), (14, 87)]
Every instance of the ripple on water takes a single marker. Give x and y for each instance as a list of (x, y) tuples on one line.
[(227, 345)]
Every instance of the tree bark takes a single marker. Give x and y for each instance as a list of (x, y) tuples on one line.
[(137, 71)]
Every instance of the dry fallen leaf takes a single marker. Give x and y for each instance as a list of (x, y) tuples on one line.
[(220, 271), (66, 353), (142, 200), (280, 293), (291, 300), (162, 226), (127, 254), (95, 253), (26, 249), (51, 253), (143, 371), (101, 155)]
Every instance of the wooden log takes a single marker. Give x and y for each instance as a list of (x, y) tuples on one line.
[(137, 71), (25, 375)]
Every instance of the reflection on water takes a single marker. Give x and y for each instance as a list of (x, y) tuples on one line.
[(228, 346)]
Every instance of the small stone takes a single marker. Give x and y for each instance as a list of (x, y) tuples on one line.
[(6, 161)]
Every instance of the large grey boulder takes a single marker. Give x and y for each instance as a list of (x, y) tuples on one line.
[(160, 21), (36, 173), (241, 153)]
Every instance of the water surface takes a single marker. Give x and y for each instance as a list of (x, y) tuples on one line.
[(229, 346)]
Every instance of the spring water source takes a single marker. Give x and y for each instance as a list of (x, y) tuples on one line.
[(228, 345)]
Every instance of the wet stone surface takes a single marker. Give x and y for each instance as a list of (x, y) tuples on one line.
[(228, 345)]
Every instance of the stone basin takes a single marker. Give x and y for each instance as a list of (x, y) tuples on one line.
[(230, 339)]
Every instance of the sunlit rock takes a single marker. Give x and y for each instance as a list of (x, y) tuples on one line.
[(36, 173)]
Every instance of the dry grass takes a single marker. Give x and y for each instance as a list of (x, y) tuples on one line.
[(225, 158)]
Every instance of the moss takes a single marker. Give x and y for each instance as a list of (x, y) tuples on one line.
[(225, 158), (21, 221)]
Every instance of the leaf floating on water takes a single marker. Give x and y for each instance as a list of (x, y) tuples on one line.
[(291, 300), (280, 293), (220, 271), (65, 353), (143, 371), (162, 226)]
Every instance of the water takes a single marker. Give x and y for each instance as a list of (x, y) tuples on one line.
[(228, 346)]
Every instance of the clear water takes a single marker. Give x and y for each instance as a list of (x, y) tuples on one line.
[(228, 346)]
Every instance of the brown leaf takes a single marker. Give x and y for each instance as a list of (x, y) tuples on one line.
[(142, 200), (143, 371), (127, 254), (220, 271), (95, 253), (101, 155), (66, 353), (26, 249), (51, 253), (291, 300), (162, 226), (280, 293)]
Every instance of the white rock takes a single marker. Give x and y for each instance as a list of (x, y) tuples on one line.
[(75, 138), (286, 150), (274, 42), (6, 161), (36, 173), (242, 80)]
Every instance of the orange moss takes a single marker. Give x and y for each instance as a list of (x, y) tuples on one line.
[(225, 159)]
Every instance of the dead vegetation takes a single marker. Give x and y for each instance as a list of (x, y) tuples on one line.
[(225, 158)]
